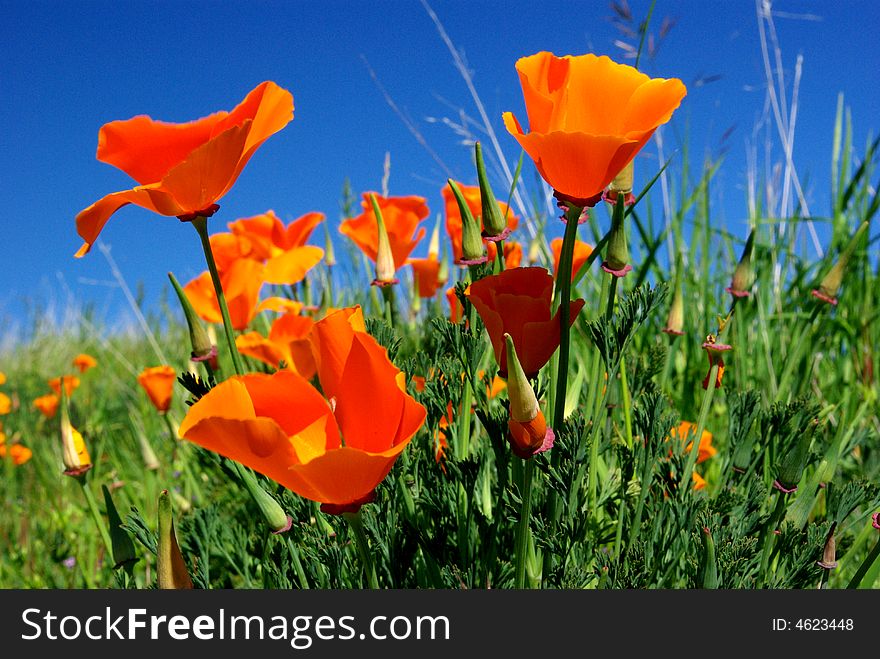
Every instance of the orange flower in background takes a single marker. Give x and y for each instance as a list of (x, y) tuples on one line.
[(685, 430), (71, 383), (455, 308), (283, 250), (84, 362), (427, 275), (471, 195), (401, 216), (18, 453), (48, 405), (283, 428), (582, 252), (518, 302), (158, 382), (588, 118), (2, 378), (715, 352), (183, 170), (241, 283), (513, 253), (5, 404), (288, 341), (699, 482)]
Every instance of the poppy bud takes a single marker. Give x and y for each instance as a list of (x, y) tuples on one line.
[(675, 319), (622, 184), (875, 521), (329, 254), (829, 554), (203, 349), (384, 256), (443, 271), (494, 223), (471, 243), (742, 275), (170, 568), (708, 569), (792, 467), (74, 453), (714, 351), (829, 287), (534, 251), (528, 433), (434, 244), (123, 548), (617, 258)]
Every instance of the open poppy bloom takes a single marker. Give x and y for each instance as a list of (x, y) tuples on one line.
[(282, 249), (685, 430), (582, 252), (333, 450), (241, 282), (183, 170), (288, 341), (471, 194), (588, 118), (401, 216), (48, 405), (158, 382), (18, 453), (71, 382), (513, 253), (5, 403), (518, 302), (84, 362), (455, 309)]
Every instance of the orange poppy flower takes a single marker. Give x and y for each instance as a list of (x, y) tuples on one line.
[(518, 302), (401, 216), (471, 194), (684, 431), (427, 275), (71, 382), (2, 377), (715, 352), (283, 428), (84, 362), (513, 253), (158, 382), (455, 309), (184, 169), (241, 282), (582, 252), (5, 404), (699, 482), (17, 452), (283, 250), (48, 405), (74, 452), (588, 118), (288, 341)]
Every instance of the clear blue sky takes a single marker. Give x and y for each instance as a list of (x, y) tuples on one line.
[(66, 68)]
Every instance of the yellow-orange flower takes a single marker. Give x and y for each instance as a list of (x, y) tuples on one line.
[(288, 341), (588, 118), (241, 281), (84, 362), (183, 170), (71, 383), (401, 216), (582, 252), (455, 308), (158, 382), (5, 403), (518, 302), (18, 453), (513, 253), (48, 405), (427, 275), (471, 194), (685, 431), (282, 427)]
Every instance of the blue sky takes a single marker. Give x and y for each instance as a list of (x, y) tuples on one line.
[(66, 68)]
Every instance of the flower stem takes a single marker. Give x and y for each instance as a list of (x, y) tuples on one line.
[(870, 559), (563, 288), (96, 516), (297, 564), (804, 339), (360, 536), (390, 306), (201, 226), (522, 530), (609, 289), (767, 539)]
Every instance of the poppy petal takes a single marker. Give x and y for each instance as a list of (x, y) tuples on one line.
[(290, 267)]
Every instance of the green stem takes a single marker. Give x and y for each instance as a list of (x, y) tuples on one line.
[(609, 290), (522, 530), (800, 345), (563, 286), (870, 559), (390, 305), (96, 516), (297, 564), (767, 539), (201, 226), (360, 536)]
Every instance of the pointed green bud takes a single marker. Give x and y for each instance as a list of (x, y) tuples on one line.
[(830, 284), (708, 567), (617, 258), (384, 256), (434, 245), (472, 252), (623, 182), (329, 254), (675, 319), (202, 346), (443, 272), (792, 467), (742, 276), (123, 547), (170, 567), (278, 520), (523, 402), (494, 222)]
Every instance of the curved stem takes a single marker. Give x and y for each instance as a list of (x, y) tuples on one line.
[(201, 226), (360, 536), (563, 288)]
